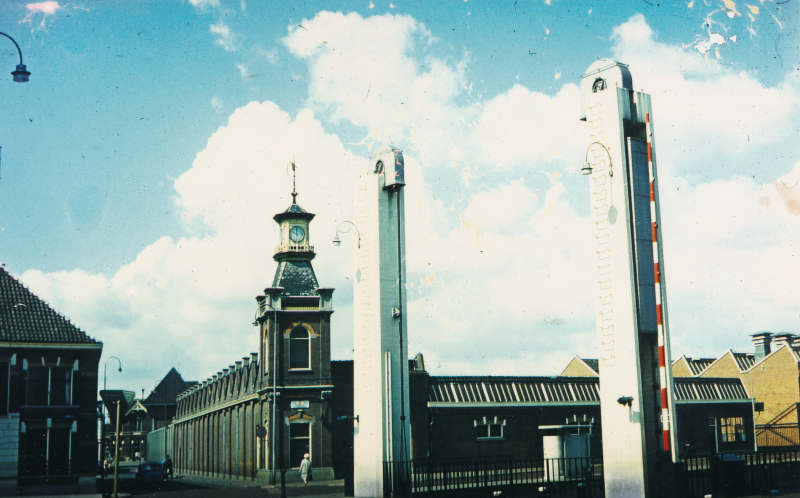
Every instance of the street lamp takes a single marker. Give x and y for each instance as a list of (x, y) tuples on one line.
[(587, 168), (337, 241), (105, 365), (22, 73)]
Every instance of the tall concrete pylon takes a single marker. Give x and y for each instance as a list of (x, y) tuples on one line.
[(636, 400), (381, 430)]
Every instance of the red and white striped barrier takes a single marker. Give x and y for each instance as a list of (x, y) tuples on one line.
[(662, 360)]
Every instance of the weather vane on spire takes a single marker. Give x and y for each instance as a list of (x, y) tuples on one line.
[(294, 183)]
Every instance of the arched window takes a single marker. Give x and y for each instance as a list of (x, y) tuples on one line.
[(299, 348)]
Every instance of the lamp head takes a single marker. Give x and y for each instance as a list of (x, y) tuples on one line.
[(21, 74), (336, 240), (119, 369), (587, 169)]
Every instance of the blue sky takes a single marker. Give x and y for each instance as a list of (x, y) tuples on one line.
[(143, 162)]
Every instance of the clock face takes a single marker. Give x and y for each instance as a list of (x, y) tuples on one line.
[(297, 234)]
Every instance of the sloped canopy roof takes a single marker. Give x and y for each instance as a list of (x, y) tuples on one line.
[(293, 212), (111, 396), (460, 391), (528, 390), (709, 389)]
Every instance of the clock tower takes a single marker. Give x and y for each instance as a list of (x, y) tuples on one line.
[(294, 318)]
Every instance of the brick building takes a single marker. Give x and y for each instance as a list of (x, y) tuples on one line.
[(770, 376), (254, 418), (713, 414), (48, 386)]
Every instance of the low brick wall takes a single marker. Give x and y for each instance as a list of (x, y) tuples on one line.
[(9, 449)]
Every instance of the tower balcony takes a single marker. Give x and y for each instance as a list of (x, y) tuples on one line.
[(294, 248)]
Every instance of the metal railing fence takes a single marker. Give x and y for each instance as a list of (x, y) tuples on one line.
[(739, 474), (493, 476)]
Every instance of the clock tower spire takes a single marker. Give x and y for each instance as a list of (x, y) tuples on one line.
[(295, 325), (294, 242)]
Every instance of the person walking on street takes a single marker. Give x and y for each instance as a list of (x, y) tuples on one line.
[(305, 469), (168, 466)]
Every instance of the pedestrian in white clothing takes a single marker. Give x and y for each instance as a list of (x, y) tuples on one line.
[(305, 469)]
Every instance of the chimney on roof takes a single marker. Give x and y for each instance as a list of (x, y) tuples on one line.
[(238, 365), (762, 341), (419, 363), (253, 357), (246, 361), (783, 338)]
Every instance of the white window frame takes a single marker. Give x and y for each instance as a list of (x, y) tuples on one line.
[(491, 422)]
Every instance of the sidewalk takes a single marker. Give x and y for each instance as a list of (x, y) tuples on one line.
[(318, 489)]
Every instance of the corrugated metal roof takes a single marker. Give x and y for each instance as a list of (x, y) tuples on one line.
[(697, 365), (707, 389), (744, 360), (559, 390), (553, 390)]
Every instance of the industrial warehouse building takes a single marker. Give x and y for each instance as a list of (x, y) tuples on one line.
[(261, 414)]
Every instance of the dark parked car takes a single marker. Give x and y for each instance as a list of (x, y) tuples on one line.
[(151, 473)]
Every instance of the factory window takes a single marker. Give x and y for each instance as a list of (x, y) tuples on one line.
[(299, 349), (732, 429), (490, 428)]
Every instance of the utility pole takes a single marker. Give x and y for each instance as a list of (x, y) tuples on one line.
[(116, 452)]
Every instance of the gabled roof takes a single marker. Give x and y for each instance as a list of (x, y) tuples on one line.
[(581, 367), (26, 318), (168, 389), (794, 354), (517, 390), (741, 362), (136, 406)]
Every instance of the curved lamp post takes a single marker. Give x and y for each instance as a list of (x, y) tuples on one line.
[(103, 431), (587, 168), (337, 241), (22, 73)]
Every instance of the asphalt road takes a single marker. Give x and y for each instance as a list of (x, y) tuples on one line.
[(187, 487)]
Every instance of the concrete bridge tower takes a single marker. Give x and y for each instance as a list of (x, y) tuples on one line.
[(635, 380), (381, 431)]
